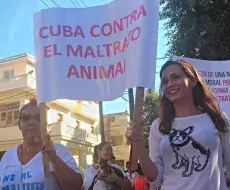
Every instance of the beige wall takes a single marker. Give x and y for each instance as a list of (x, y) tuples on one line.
[(115, 127), (9, 137), (19, 68)]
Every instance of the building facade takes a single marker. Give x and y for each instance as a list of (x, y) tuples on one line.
[(72, 123), (115, 126)]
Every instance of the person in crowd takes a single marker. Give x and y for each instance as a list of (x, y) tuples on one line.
[(140, 182), (189, 144), (130, 173), (127, 166), (22, 168), (112, 160), (91, 171), (108, 173)]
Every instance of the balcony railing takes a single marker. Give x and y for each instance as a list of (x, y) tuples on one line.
[(61, 129), (90, 137), (25, 80), (74, 133)]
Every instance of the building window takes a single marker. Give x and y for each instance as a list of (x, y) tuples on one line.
[(8, 74), (9, 113), (92, 129), (123, 122), (77, 124), (60, 117), (9, 117), (16, 116), (3, 116), (117, 140)]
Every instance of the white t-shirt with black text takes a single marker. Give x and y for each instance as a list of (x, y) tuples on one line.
[(192, 156), (15, 176)]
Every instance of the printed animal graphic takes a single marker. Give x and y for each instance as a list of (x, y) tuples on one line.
[(189, 153)]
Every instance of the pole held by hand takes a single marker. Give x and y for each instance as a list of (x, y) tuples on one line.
[(43, 122), (137, 120)]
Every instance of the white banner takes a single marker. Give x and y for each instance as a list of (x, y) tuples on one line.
[(217, 76), (95, 53)]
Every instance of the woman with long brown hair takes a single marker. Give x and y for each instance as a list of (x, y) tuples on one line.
[(189, 142)]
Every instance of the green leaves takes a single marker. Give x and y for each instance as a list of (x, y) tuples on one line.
[(149, 112), (198, 24)]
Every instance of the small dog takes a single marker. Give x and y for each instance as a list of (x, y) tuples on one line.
[(104, 170)]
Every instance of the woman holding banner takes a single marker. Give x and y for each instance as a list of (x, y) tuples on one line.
[(190, 142), (22, 168)]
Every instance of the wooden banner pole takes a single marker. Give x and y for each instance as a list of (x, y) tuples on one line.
[(131, 103), (137, 120), (43, 122), (102, 127)]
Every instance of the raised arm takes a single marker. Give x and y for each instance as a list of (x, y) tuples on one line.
[(151, 164)]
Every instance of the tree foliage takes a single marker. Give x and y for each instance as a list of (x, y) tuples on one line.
[(149, 112), (197, 28)]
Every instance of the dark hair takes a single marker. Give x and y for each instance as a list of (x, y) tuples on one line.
[(203, 98), (32, 102), (101, 145), (96, 148), (139, 169)]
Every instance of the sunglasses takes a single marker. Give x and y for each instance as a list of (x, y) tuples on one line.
[(27, 117)]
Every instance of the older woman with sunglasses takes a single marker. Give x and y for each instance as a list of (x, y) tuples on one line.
[(21, 167)]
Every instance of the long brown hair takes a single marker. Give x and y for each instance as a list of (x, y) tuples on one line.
[(203, 98)]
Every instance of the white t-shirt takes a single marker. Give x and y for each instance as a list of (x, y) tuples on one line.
[(15, 176), (191, 156), (90, 173), (131, 176)]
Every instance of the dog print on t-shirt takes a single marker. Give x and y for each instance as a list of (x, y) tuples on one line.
[(189, 160)]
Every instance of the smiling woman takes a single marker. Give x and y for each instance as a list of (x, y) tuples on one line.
[(182, 84), (190, 139), (25, 160)]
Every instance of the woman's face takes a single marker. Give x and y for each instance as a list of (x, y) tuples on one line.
[(106, 152), (176, 85), (29, 122)]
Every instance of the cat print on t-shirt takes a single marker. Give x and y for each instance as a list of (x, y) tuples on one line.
[(189, 161)]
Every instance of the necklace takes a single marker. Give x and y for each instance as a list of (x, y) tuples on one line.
[(29, 149), (21, 161), (23, 149), (26, 149)]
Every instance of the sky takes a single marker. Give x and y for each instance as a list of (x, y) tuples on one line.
[(16, 35)]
